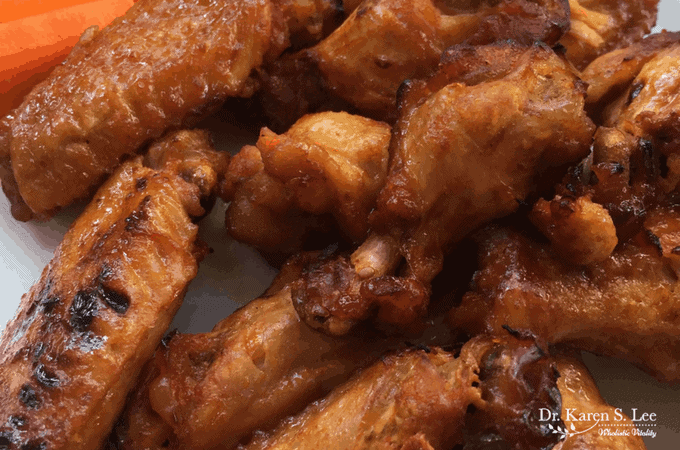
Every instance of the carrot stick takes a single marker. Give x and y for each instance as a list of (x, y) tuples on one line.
[(33, 45), (18, 9)]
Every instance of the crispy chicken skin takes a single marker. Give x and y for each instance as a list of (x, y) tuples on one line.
[(384, 42), (598, 26), (257, 366), (100, 308), (625, 306), (163, 65), (326, 164), (470, 145), (422, 399), (580, 395)]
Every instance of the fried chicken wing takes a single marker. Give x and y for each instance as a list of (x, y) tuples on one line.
[(257, 366), (598, 26), (421, 399), (470, 145), (384, 42), (162, 66), (625, 306), (86, 328), (472, 142), (580, 395), (326, 164)]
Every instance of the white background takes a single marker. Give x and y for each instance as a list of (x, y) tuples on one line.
[(233, 274)]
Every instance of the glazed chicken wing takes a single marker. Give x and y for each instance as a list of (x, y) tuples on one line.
[(470, 145), (163, 65), (257, 366), (331, 164), (427, 399), (625, 306), (384, 42), (598, 26), (86, 328)]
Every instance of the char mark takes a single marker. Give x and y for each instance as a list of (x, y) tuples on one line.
[(45, 377), (28, 397), (117, 301), (138, 216), (17, 422), (83, 310)]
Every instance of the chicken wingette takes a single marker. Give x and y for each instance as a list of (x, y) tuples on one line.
[(161, 66), (489, 395), (385, 42), (83, 332)]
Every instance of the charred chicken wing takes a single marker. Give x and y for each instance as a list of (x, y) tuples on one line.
[(100, 308)]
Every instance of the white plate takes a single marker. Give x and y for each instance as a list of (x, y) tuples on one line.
[(234, 274)]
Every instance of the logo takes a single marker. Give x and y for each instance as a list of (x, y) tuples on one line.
[(579, 422)]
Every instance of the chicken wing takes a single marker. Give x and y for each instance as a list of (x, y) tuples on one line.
[(470, 145), (162, 66), (427, 399), (257, 366), (650, 108), (625, 306), (100, 308), (612, 73), (598, 26), (326, 164), (384, 42), (634, 170)]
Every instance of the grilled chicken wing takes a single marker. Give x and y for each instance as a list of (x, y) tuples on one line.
[(326, 164), (470, 145), (100, 308), (384, 42), (426, 399), (625, 306), (598, 26), (161, 66)]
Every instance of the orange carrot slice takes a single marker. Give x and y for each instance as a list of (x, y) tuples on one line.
[(18, 9), (33, 45)]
